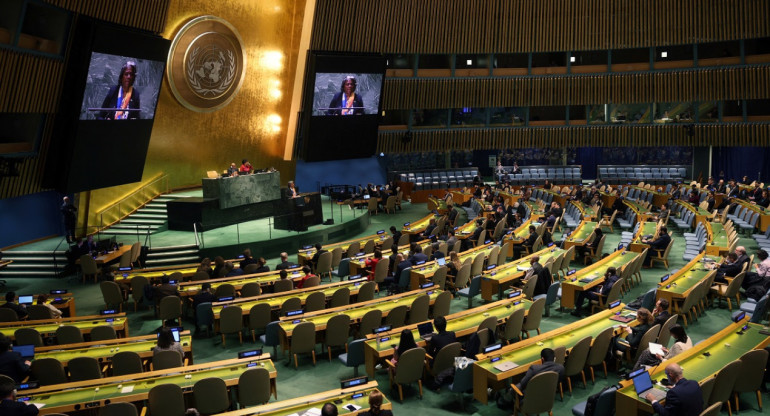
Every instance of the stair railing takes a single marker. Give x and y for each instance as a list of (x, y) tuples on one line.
[(134, 200)]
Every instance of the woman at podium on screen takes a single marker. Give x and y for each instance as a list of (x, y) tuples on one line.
[(123, 96), (346, 102)]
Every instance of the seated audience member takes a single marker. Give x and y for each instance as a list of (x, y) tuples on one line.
[(453, 265), (603, 290), (166, 289), (660, 312), (285, 263), (42, 300), (396, 234), (318, 251), (204, 295), (231, 271), (659, 243), (262, 266), (663, 213), (437, 254), (247, 259), (232, 170), (401, 265), (634, 334), (219, 266), (246, 167), (307, 274), (375, 405), (392, 258), (205, 266), (429, 229), (711, 200), (681, 343), (417, 254), (467, 244), (329, 409), (581, 250), (441, 338), (405, 344), (547, 363), (11, 363), (371, 263), (452, 213), (166, 343), (760, 277), (764, 199), (9, 406), (518, 249), (694, 197), (10, 303), (685, 398), (730, 267)]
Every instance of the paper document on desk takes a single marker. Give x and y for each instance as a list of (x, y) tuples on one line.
[(656, 349), (315, 411), (127, 389), (523, 267), (38, 405)]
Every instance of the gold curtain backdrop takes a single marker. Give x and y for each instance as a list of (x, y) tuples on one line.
[(506, 26), (750, 82), (737, 134)]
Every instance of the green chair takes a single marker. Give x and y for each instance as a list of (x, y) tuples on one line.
[(291, 304), (490, 323), (471, 291), (443, 360), (84, 368), (224, 290), (407, 370), (439, 277), (251, 289), (370, 320), (28, 336), (541, 390), (315, 301), (534, 316), (170, 309), (166, 400), (311, 281), (366, 291), (397, 316), (442, 304), (302, 341), (211, 395), (259, 317), (418, 312), (724, 383), (103, 332), (254, 387), (284, 285), (751, 377), (118, 409), (341, 297), (112, 294), (137, 289), (89, 267), (48, 371), (576, 362), (126, 362), (355, 355), (38, 312), (337, 333), (231, 322), (598, 353), (8, 315), (163, 360), (68, 334), (513, 326)]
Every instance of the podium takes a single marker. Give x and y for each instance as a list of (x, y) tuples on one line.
[(299, 213)]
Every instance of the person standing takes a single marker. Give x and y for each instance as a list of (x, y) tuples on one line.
[(69, 216)]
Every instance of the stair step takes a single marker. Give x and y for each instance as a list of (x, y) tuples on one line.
[(158, 211), (155, 255), (30, 253), (149, 216), (142, 221), (175, 260), (174, 248), (112, 231), (18, 259), (41, 266), (134, 227), (16, 273)]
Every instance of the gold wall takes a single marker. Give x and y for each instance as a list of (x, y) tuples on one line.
[(186, 144)]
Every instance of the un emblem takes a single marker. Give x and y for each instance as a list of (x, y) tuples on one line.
[(206, 64)]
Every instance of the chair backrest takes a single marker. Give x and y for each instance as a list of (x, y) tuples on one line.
[(735, 285), (648, 337), (478, 264), (136, 251), (369, 247), (88, 264), (118, 409), (665, 331), (291, 304), (225, 290), (343, 268), (442, 304), (170, 308), (254, 387), (381, 271), (355, 248), (713, 410), (315, 301), (513, 325), (463, 380), (366, 291), (578, 355), (489, 323), (324, 263), (753, 367), (534, 316), (337, 330), (126, 362), (36, 312), (250, 268), (28, 336), (283, 285), (303, 338), (439, 277), (410, 366), (163, 360), (463, 276), (503, 254), (598, 351), (370, 320), (103, 332), (418, 312), (475, 287), (259, 316), (337, 256), (111, 293), (137, 287), (706, 387), (529, 286), (166, 400), (84, 368), (725, 381), (542, 386), (48, 371), (68, 334), (445, 358), (397, 316), (312, 281), (231, 319), (204, 315), (251, 289), (211, 395), (341, 297)]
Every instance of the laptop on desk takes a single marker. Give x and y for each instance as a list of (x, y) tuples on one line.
[(441, 261), (643, 385), (426, 330)]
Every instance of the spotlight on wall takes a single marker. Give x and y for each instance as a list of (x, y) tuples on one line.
[(469, 62), (572, 59), (664, 54)]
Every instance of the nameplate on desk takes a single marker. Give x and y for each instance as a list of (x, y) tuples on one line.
[(295, 312), (58, 291), (406, 224), (493, 347), (109, 311), (426, 285), (124, 269), (664, 278), (27, 386), (356, 276), (550, 244), (358, 381), (491, 266), (381, 329), (614, 304), (380, 232), (250, 353), (739, 317), (571, 272), (172, 282), (225, 298), (109, 320), (307, 247), (514, 294)]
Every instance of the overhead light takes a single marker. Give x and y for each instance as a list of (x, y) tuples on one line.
[(572, 59), (469, 62), (664, 54), (382, 154)]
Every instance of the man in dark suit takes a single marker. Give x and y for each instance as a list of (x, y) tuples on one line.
[(429, 229), (610, 278), (247, 259), (452, 213), (442, 338), (684, 399), (395, 233), (547, 357), (11, 363), (437, 254), (659, 243), (9, 406), (70, 217), (529, 242), (167, 289), (285, 263), (729, 268), (417, 254), (10, 303), (318, 251), (660, 312)]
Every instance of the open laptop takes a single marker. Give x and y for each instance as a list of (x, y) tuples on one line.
[(441, 261), (26, 299), (426, 330), (643, 385), (27, 352)]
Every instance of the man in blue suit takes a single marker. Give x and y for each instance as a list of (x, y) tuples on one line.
[(659, 243), (685, 398)]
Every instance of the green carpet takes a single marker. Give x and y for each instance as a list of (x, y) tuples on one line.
[(324, 376)]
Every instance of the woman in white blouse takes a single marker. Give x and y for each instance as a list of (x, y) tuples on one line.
[(681, 343)]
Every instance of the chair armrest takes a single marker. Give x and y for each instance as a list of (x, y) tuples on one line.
[(186, 362), (390, 364), (143, 412), (428, 356), (516, 390)]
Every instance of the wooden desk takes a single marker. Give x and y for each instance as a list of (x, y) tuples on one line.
[(461, 197), (496, 280), (658, 198), (357, 264), (462, 323), (676, 288), (305, 255), (418, 226), (48, 327), (88, 394), (518, 235), (723, 347), (645, 228), (581, 234), (357, 396), (266, 279), (573, 284), (764, 213), (587, 211), (718, 242), (527, 352), (701, 215), (355, 312), (438, 204), (67, 305), (466, 230), (110, 255), (423, 273)]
